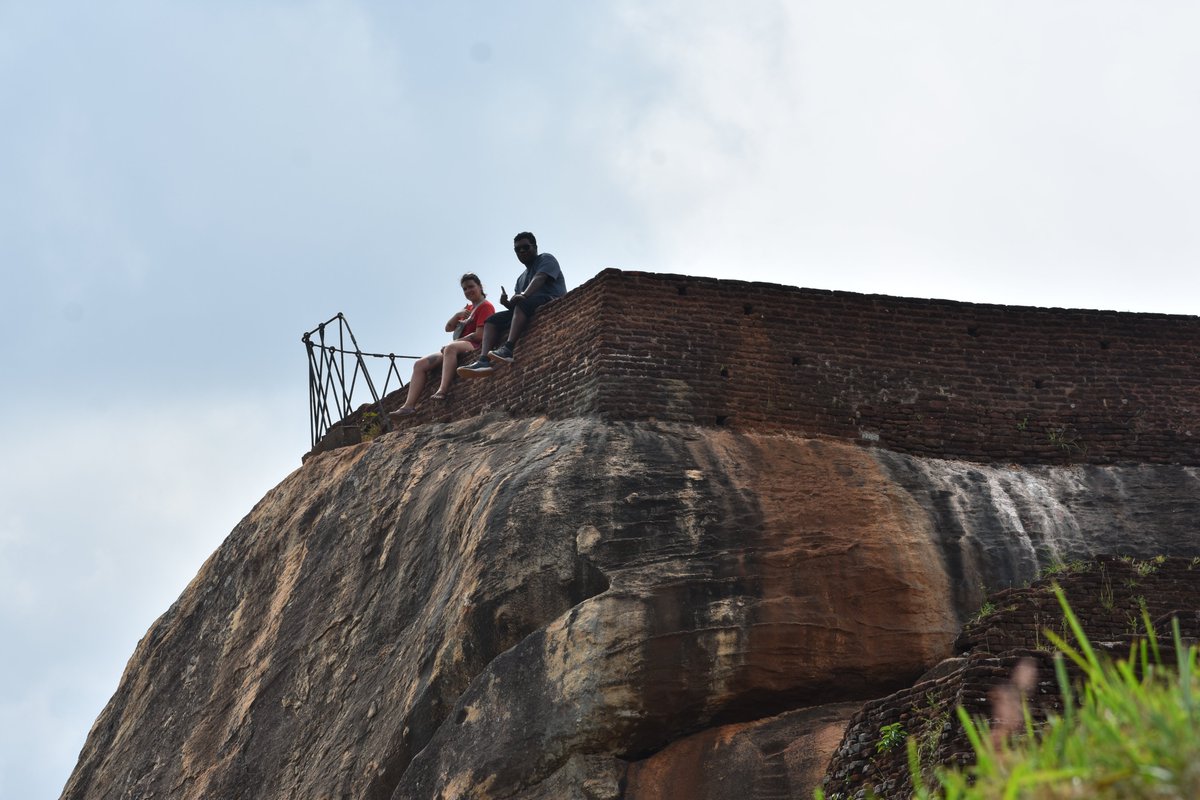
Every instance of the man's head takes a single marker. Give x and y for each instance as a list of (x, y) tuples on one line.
[(525, 246)]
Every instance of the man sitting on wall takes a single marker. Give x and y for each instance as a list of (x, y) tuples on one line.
[(541, 282)]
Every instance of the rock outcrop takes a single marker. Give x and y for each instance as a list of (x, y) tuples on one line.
[(557, 608)]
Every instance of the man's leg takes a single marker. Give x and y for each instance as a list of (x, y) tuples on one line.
[(521, 315), (520, 320), (504, 353), (491, 332)]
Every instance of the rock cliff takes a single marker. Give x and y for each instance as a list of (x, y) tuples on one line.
[(506, 607)]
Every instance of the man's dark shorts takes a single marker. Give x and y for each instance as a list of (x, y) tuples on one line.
[(503, 319)]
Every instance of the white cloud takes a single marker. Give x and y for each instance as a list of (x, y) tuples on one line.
[(944, 149), (172, 163)]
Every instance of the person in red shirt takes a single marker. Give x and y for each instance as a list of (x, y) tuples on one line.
[(471, 318)]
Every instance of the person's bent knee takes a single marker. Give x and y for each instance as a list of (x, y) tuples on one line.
[(499, 323), (530, 305)]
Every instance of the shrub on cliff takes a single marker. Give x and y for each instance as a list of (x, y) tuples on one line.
[(1133, 732)]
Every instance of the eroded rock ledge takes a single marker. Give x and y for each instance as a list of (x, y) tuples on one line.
[(579, 608)]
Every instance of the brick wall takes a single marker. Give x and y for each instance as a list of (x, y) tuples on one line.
[(934, 377)]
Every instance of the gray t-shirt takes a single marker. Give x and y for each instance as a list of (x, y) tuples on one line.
[(555, 285)]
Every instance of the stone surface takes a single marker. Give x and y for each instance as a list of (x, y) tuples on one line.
[(542, 608), (783, 756)]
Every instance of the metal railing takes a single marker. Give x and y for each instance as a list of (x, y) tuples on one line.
[(334, 372)]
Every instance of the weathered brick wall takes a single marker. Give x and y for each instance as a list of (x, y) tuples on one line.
[(927, 714), (935, 377), (922, 376), (1109, 592), (1108, 596), (554, 375)]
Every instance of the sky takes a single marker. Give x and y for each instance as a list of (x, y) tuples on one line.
[(187, 187)]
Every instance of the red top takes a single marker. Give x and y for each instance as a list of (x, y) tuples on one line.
[(479, 315)]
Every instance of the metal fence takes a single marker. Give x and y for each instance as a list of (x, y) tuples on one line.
[(336, 367)]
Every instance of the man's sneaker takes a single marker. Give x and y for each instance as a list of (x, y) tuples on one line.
[(503, 354), (479, 369)]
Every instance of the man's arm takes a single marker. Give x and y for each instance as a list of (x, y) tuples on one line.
[(547, 271), (531, 289)]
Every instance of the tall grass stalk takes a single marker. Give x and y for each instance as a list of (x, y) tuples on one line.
[(1134, 732)]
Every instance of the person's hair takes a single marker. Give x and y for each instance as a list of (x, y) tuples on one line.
[(526, 235), (471, 276)]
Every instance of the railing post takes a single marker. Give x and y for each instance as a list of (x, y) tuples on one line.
[(327, 376)]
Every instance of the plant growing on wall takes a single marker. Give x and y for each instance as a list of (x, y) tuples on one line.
[(370, 426), (1066, 439), (1134, 732), (890, 737)]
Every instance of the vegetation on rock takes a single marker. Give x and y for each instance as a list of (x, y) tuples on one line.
[(1131, 730)]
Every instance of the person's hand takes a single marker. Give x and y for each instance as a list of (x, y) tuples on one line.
[(463, 314), (503, 296)]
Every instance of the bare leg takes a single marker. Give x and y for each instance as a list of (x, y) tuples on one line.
[(450, 355), (420, 370)]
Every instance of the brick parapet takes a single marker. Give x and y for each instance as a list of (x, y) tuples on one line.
[(927, 377)]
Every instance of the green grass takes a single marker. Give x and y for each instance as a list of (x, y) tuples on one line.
[(986, 610), (1060, 567), (1134, 733), (1131, 731)]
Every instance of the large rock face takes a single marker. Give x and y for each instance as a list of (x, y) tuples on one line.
[(577, 608)]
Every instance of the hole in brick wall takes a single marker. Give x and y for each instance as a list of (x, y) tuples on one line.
[(972, 331), (722, 419), (1039, 383), (797, 361), (1105, 344), (747, 309), (725, 372), (683, 290)]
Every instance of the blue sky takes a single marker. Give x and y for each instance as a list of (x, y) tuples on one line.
[(187, 187)]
